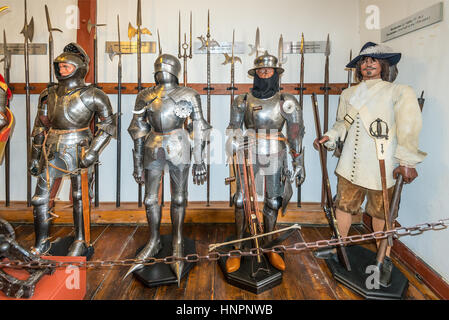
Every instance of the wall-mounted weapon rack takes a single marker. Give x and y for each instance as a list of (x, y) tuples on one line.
[(219, 88)]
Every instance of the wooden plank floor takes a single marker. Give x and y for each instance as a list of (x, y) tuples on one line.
[(306, 278)]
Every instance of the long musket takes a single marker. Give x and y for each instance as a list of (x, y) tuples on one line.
[(326, 89), (50, 48), (301, 103), (7, 68), (132, 32), (394, 206), (28, 33), (119, 117), (329, 207), (232, 60), (93, 27), (208, 43)]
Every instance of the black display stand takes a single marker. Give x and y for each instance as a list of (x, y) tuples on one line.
[(360, 258), (60, 248), (161, 274), (266, 278)]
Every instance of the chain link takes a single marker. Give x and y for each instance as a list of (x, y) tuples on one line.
[(215, 256)]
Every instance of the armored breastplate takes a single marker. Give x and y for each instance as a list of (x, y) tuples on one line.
[(164, 114), (264, 114), (68, 112)]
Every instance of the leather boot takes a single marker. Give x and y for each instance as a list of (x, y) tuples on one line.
[(276, 261)]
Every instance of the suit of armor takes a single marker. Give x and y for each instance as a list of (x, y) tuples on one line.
[(160, 139), (264, 120), (63, 142)]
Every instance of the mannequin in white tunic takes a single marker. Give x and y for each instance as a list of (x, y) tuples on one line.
[(358, 169)]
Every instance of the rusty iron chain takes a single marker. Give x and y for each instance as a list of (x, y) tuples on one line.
[(215, 256)]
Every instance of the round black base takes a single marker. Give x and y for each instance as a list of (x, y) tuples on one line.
[(60, 248), (361, 278), (251, 276), (161, 274)]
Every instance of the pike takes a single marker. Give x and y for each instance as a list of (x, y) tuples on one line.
[(301, 101), (119, 117), (50, 47), (132, 32), (329, 208), (7, 67), (28, 33), (91, 26), (385, 244), (281, 59), (185, 46), (208, 43), (256, 48), (340, 143), (326, 89), (232, 60)]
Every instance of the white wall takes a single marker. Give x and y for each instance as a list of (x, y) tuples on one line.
[(316, 19), (424, 67)]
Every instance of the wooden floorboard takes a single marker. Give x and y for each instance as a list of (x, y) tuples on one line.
[(306, 278)]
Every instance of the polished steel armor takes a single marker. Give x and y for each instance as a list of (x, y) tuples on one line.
[(157, 130), (263, 121), (265, 61), (63, 142)]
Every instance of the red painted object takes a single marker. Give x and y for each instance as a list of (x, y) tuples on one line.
[(65, 283)]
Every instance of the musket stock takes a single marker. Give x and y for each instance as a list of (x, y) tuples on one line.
[(329, 207)]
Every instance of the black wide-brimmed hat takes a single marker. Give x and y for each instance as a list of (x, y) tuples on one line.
[(377, 51)]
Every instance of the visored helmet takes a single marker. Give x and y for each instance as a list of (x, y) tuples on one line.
[(75, 55), (168, 63)]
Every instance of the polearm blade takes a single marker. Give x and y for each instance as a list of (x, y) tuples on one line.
[(256, 48), (50, 47), (232, 60), (7, 66), (28, 33), (281, 57), (132, 32), (326, 108), (93, 27), (119, 118), (208, 43), (350, 71), (301, 103), (186, 47)]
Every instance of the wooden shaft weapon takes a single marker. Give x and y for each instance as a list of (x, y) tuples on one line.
[(301, 103), (51, 67), (326, 89), (119, 118), (93, 27), (28, 33), (7, 68), (329, 207), (131, 33), (85, 200)]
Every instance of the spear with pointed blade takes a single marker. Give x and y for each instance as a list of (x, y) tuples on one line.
[(50, 47), (232, 60), (281, 59), (28, 33), (119, 117), (132, 32), (301, 103), (93, 27), (256, 48), (185, 46), (7, 67), (326, 89), (208, 43)]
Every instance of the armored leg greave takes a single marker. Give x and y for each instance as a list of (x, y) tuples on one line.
[(42, 219), (79, 246)]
